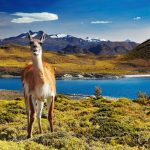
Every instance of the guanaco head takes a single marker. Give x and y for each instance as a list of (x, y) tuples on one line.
[(36, 44)]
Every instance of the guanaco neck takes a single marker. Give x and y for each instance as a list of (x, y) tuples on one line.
[(38, 67)]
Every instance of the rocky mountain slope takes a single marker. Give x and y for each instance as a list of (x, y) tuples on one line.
[(70, 44)]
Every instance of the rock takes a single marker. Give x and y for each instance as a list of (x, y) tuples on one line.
[(79, 76), (99, 76), (67, 76), (88, 75)]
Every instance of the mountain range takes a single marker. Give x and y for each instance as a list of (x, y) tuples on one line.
[(64, 43)]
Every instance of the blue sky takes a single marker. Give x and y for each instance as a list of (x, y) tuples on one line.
[(106, 19)]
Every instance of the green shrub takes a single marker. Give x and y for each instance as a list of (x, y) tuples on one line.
[(6, 117), (15, 107), (112, 128), (143, 101), (101, 101), (61, 140), (34, 146), (122, 102), (28, 145), (8, 133), (60, 96), (97, 92), (142, 95), (142, 98), (108, 127)]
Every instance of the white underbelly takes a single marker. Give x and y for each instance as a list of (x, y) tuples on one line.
[(42, 92)]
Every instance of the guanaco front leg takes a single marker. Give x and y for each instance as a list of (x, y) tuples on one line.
[(40, 105)]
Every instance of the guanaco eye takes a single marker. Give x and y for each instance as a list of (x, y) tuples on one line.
[(40, 43)]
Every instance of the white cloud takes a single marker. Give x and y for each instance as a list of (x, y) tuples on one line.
[(137, 18), (100, 22), (33, 17)]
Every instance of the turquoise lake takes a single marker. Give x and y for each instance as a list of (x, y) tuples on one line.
[(124, 87)]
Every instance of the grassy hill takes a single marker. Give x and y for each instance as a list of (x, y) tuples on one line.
[(142, 51), (88, 124), (13, 58)]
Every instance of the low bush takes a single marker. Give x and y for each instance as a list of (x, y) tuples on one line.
[(61, 140), (8, 133), (6, 117), (28, 145), (142, 98), (143, 101)]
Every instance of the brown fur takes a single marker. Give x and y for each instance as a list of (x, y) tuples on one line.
[(36, 77)]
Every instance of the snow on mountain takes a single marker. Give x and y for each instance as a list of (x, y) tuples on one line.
[(103, 40), (23, 37), (62, 35), (58, 35), (35, 34), (68, 43), (97, 40)]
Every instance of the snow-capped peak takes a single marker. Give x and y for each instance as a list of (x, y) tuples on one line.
[(60, 35), (103, 40), (94, 39)]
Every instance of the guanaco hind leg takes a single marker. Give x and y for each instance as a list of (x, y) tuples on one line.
[(50, 104), (27, 111), (31, 117)]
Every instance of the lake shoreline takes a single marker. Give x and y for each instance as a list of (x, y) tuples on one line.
[(9, 94), (87, 76)]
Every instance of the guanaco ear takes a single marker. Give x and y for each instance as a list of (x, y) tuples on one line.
[(42, 38), (29, 36)]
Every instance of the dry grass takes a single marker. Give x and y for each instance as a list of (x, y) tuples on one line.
[(91, 124), (17, 56)]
